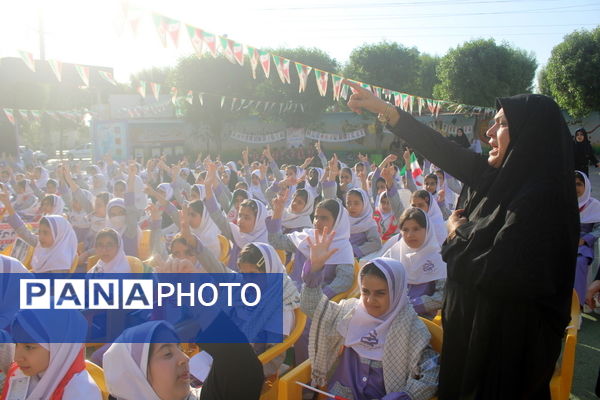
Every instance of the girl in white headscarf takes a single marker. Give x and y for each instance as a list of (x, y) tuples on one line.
[(111, 256), (425, 201), (386, 351), (419, 251), (121, 215), (364, 234), (296, 216), (52, 204), (49, 371), (257, 186)]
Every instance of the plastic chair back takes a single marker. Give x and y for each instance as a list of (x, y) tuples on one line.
[(145, 246), (225, 249), (354, 290)]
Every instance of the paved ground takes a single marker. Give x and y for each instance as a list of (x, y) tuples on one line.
[(587, 357)]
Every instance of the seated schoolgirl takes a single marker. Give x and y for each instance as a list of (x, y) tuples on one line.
[(52, 204), (26, 203), (419, 252), (364, 234), (424, 200), (432, 185), (589, 216), (157, 369), (53, 370), (385, 352), (296, 216), (111, 256)]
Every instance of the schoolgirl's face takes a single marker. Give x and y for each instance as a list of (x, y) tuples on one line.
[(241, 185), (246, 219), (255, 180), (119, 190), (99, 207), (385, 205), (413, 233), (381, 187), (46, 207), (430, 185), (116, 212), (298, 204), (37, 173), (182, 252), (360, 168), (45, 236), (354, 204), (323, 218), (51, 188), (579, 187), (345, 178), (374, 295), (106, 248), (248, 268), (76, 205), (195, 218), (290, 175), (32, 358), (238, 200), (168, 371), (418, 202)]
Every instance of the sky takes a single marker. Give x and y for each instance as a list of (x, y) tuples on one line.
[(96, 32)]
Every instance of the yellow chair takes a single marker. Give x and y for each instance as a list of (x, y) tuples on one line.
[(560, 385), (280, 348), (438, 318), (354, 289), (290, 390), (74, 264), (145, 245), (97, 375), (225, 249), (282, 255), (135, 264)]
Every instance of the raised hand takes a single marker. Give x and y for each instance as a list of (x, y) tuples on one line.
[(245, 156), (363, 99), (388, 160), (263, 170), (319, 249), (278, 203), (318, 146), (211, 175), (267, 153)]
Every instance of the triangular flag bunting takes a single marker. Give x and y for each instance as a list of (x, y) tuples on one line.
[(303, 73), (155, 87), (196, 37), (227, 49), (10, 115), (24, 114), (420, 102), (336, 80), (377, 91), (253, 56), (286, 70), (265, 61), (190, 97), (238, 53), (134, 23), (322, 78), (36, 114), (172, 27), (279, 67), (211, 42), (161, 28), (108, 77), (84, 74), (173, 95), (56, 67), (222, 101), (27, 59), (141, 89), (345, 91)]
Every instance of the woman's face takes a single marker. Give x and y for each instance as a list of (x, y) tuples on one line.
[(385, 205), (168, 371), (413, 233), (195, 218), (323, 218), (579, 136), (298, 204), (106, 248), (430, 185), (45, 236), (354, 205), (374, 295), (579, 187), (499, 139), (246, 219), (31, 358), (420, 203), (241, 185)]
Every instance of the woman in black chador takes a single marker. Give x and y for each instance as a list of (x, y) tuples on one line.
[(511, 250), (583, 152)]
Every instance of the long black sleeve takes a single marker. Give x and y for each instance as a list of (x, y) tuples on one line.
[(458, 161)]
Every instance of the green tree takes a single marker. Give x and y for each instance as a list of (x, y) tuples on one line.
[(428, 76), (543, 86), (478, 71), (572, 72), (386, 64)]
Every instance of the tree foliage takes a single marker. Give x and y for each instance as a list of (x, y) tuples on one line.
[(478, 71), (572, 73)]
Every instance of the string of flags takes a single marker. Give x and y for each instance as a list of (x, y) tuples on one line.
[(75, 116)]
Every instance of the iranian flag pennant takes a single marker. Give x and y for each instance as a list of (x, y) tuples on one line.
[(27, 58), (56, 67), (397, 99), (267, 104), (280, 108), (10, 115), (286, 69), (172, 27), (250, 102), (253, 56), (337, 80), (420, 102), (53, 115), (387, 94), (222, 101), (141, 89), (438, 107), (345, 91), (322, 78), (155, 87), (173, 95), (190, 97), (302, 107), (161, 28), (211, 42), (24, 114), (108, 77), (265, 61), (233, 103), (366, 86), (279, 67), (196, 37), (377, 91), (84, 74), (227, 49), (303, 72), (430, 105), (36, 114), (415, 170), (201, 98), (238, 53)]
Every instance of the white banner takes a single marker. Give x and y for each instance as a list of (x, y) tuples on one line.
[(295, 137), (258, 139), (336, 137)]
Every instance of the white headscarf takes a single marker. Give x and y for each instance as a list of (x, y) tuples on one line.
[(365, 220), (341, 241), (43, 179), (98, 184), (167, 188), (259, 232), (141, 198), (314, 190), (63, 250), (58, 204), (589, 207), (116, 202), (434, 215), (9, 287), (291, 220), (386, 218), (80, 219), (256, 190), (367, 334), (424, 264), (201, 190), (208, 233), (118, 264)]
